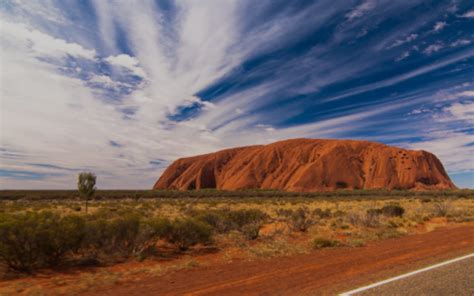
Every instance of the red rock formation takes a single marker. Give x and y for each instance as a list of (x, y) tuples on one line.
[(308, 165)]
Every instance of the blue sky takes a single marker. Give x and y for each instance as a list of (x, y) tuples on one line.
[(122, 88)]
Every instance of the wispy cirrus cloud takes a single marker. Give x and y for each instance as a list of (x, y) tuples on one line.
[(361, 9), (40, 44), (468, 14), (439, 26), (432, 48), (127, 62)]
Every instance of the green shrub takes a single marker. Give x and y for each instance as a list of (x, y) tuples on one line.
[(226, 220), (124, 236), (149, 233), (123, 232), (217, 219), (393, 210), (33, 240), (187, 232), (320, 243), (60, 237), (244, 217), (19, 242), (98, 238)]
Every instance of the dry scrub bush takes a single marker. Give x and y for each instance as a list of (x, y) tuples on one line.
[(353, 218), (372, 216), (300, 220), (442, 209), (370, 219)]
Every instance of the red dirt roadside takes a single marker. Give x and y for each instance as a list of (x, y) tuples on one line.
[(323, 272)]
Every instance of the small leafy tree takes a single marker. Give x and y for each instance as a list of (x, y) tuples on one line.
[(86, 185)]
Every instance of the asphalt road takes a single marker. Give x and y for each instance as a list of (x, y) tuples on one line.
[(453, 279)]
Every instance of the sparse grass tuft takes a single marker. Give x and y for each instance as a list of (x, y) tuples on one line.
[(300, 220), (442, 208), (356, 242)]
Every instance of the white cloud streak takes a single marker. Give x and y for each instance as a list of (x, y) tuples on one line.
[(468, 14), (128, 62), (42, 44), (432, 48), (362, 9), (439, 26)]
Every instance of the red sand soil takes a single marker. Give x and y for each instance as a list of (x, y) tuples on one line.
[(324, 271), (308, 165)]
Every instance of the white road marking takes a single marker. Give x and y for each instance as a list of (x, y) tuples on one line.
[(405, 275)]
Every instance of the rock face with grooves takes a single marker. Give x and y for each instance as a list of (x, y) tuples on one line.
[(308, 165)]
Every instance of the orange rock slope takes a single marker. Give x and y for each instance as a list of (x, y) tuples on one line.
[(308, 165)]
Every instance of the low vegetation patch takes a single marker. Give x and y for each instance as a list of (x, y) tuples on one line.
[(247, 221), (300, 220), (392, 210), (442, 208), (50, 232), (353, 195), (187, 232), (30, 241), (321, 243)]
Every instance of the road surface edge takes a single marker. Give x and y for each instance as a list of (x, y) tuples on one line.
[(377, 284)]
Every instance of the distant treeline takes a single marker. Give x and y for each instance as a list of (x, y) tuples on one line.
[(213, 193)]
